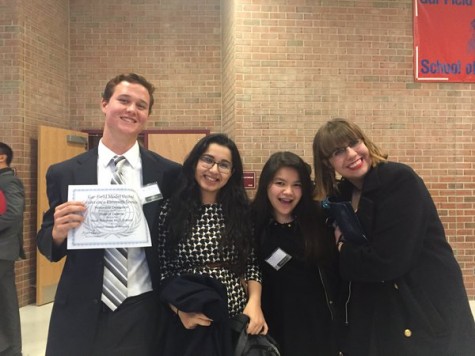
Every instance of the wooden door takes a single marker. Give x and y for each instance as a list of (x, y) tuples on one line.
[(174, 145), (54, 145)]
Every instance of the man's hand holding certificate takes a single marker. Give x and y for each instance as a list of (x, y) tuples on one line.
[(113, 218)]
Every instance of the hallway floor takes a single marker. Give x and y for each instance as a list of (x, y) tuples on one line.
[(34, 323), (34, 328)]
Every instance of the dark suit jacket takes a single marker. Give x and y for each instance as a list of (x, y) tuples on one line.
[(78, 297), (11, 221)]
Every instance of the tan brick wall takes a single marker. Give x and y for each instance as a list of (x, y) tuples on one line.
[(229, 67), (267, 72), (174, 44), (34, 91), (11, 117), (45, 66), (304, 62)]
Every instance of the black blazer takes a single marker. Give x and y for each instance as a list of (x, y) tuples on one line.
[(407, 291), (11, 222), (78, 297)]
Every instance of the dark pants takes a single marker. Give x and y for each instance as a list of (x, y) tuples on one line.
[(132, 329), (10, 331)]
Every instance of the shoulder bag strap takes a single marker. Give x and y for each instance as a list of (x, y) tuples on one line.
[(239, 324)]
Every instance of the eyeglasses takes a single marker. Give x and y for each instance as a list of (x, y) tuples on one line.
[(208, 162), (340, 151)]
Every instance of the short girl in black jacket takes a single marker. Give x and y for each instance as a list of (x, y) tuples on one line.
[(295, 251)]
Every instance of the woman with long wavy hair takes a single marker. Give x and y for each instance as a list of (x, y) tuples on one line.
[(205, 230)]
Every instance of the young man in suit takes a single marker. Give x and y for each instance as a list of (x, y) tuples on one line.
[(12, 196), (82, 322)]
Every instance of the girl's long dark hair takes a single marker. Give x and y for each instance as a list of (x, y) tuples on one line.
[(186, 203), (308, 214)]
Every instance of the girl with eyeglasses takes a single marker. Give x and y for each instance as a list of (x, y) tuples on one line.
[(405, 293), (205, 235)]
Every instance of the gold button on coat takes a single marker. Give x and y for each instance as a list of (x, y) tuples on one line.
[(407, 333)]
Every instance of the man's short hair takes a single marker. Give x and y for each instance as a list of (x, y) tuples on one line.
[(130, 78), (6, 150)]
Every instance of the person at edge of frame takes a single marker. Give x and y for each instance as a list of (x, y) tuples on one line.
[(12, 206)]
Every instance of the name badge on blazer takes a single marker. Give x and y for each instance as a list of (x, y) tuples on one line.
[(150, 192), (278, 258)]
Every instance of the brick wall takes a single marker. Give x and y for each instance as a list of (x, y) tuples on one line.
[(229, 67), (45, 68), (304, 62), (11, 103), (267, 72), (175, 44), (33, 91)]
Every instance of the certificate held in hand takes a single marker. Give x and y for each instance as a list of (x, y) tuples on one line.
[(346, 219)]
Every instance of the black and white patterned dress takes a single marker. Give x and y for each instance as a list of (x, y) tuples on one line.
[(201, 253)]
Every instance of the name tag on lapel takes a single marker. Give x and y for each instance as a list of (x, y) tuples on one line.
[(150, 193)]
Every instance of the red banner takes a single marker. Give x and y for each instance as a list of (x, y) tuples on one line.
[(444, 40)]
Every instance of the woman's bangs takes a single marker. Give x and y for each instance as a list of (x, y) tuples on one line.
[(341, 136)]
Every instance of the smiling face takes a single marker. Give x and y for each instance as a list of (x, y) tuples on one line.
[(126, 114), (211, 180), (352, 162), (284, 193)]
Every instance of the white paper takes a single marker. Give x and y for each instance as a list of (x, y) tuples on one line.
[(113, 218)]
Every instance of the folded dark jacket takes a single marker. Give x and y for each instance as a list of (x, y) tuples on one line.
[(198, 294)]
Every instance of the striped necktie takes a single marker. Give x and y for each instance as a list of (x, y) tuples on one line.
[(114, 289)]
